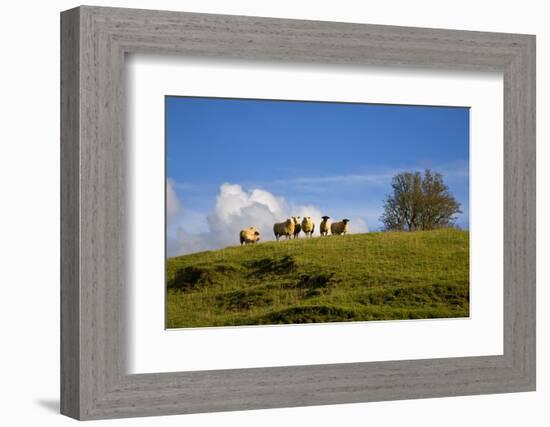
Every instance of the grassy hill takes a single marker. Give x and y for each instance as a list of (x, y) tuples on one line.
[(372, 276)]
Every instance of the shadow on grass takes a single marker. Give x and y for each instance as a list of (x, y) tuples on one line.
[(316, 284), (265, 266), (191, 278), (309, 314)]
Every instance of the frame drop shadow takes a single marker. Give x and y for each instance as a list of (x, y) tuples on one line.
[(51, 405)]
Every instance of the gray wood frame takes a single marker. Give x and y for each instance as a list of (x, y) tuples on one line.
[(94, 382)]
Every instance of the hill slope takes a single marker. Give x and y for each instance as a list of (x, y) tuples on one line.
[(372, 276)]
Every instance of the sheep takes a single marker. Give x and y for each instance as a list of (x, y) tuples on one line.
[(285, 228), (297, 226), (308, 226), (249, 235), (340, 227), (324, 226)]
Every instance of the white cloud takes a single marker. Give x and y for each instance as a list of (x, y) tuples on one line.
[(173, 205), (358, 225), (381, 178), (235, 209)]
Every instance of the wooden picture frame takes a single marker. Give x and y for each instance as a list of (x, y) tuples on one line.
[(94, 382)]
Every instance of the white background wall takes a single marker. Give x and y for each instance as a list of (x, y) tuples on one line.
[(29, 215)]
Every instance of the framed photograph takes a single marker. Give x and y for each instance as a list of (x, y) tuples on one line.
[(261, 213), (244, 172)]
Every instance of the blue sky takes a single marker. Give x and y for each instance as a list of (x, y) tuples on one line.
[(336, 157)]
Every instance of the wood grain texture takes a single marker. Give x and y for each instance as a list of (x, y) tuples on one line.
[(94, 380), (70, 220)]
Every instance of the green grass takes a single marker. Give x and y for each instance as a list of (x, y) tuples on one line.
[(372, 276)]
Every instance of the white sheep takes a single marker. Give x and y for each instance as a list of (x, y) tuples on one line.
[(297, 226), (285, 228), (340, 227), (324, 226), (308, 226), (249, 235)]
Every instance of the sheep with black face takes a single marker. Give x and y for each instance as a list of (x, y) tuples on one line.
[(324, 226), (340, 227), (249, 235)]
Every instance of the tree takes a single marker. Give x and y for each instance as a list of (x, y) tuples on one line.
[(419, 203)]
